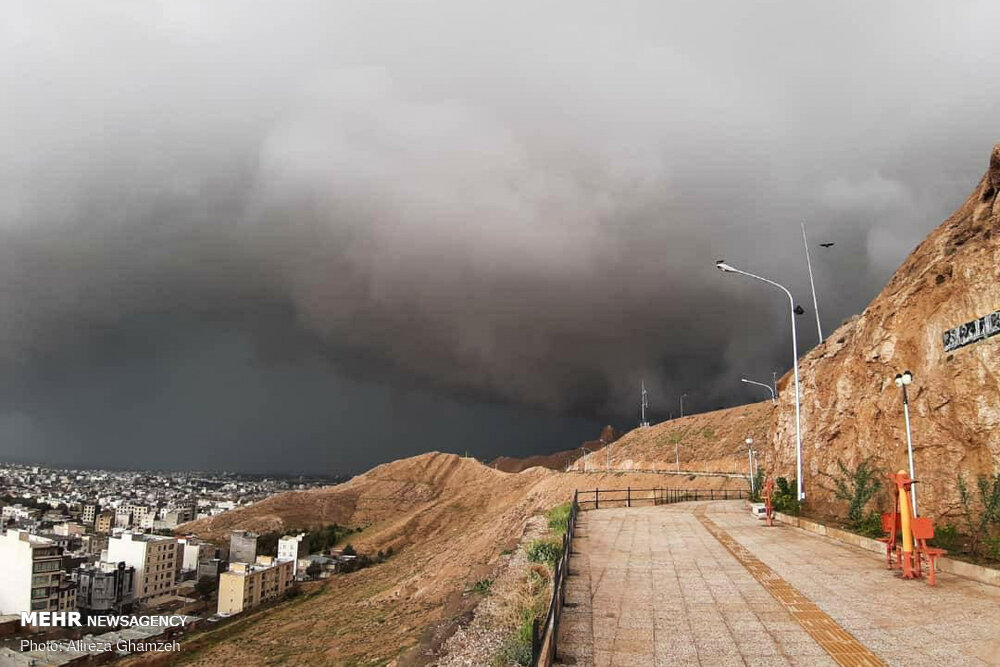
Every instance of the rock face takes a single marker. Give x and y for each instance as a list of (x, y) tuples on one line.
[(851, 406)]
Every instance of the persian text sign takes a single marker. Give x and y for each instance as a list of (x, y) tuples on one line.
[(970, 332)]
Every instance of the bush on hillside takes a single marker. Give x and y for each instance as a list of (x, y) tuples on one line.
[(559, 519)]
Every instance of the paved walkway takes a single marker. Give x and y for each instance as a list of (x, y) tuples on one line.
[(706, 584)]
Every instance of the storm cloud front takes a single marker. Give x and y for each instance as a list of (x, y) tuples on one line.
[(322, 235)]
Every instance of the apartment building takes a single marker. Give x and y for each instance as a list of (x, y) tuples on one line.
[(293, 547), (104, 588), (242, 547), (244, 586), (103, 522), (154, 558), (31, 576), (89, 513)]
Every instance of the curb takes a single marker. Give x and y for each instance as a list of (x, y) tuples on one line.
[(978, 573)]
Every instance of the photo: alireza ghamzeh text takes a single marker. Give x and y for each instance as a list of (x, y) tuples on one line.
[(482, 334)]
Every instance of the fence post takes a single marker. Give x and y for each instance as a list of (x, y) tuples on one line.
[(597, 499), (628, 497)]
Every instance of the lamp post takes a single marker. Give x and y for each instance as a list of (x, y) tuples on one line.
[(774, 398), (722, 266), (682, 404), (749, 442), (903, 380), (812, 285), (584, 457)]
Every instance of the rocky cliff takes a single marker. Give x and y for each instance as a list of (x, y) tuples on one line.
[(851, 406)]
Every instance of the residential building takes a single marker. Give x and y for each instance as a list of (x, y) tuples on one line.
[(244, 586), (89, 513), (104, 588), (211, 568), (242, 547), (31, 576), (103, 522), (178, 515), (293, 547), (18, 512), (195, 551), (154, 558)]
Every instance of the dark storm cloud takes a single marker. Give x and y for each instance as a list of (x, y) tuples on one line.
[(227, 219)]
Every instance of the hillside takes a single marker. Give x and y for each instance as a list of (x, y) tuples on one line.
[(557, 460), (852, 409), (710, 441), (448, 520)]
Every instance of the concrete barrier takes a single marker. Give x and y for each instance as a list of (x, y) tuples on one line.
[(984, 575)]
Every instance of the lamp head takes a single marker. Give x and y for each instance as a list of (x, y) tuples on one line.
[(898, 380), (907, 377), (722, 266), (749, 440)]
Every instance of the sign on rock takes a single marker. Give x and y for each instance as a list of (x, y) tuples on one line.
[(970, 332)]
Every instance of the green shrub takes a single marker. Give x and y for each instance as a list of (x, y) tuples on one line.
[(870, 525), (979, 515), (559, 519), (992, 547), (857, 487), (946, 537), (483, 586), (515, 650), (544, 551), (785, 498), (758, 485)]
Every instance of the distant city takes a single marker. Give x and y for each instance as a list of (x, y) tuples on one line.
[(101, 542)]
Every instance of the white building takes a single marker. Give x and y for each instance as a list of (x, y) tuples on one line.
[(194, 551), (31, 576), (154, 558), (17, 513), (293, 547)]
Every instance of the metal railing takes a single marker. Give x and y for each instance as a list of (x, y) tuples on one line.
[(543, 638), (545, 634), (630, 497)]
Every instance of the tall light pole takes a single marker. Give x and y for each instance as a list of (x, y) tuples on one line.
[(812, 285), (774, 398), (903, 380), (682, 405), (722, 266), (749, 442), (774, 382)]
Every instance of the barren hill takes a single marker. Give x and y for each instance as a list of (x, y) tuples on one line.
[(447, 518), (711, 441), (852, 409), (557, 460)]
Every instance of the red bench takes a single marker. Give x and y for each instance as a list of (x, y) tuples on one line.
[(923, 530)]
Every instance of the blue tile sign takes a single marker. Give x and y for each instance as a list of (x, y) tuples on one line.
[(970, 332)]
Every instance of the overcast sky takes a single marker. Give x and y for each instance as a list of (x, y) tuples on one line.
[(320, 235)]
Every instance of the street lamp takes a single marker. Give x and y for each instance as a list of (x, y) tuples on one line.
[(726, 268), (749, 442), (812, 285), (682, 404), (903, 380), (774, 398)]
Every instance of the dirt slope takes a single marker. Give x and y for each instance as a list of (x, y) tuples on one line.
[(557, 460), (447, 518), (710, 441), (852, 408)]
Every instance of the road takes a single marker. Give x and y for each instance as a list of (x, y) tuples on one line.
[(706, 584)]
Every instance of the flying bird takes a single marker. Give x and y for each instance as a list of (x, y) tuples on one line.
[(827, 245)]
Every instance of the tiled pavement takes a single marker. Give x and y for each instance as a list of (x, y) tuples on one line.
[(653, 586)]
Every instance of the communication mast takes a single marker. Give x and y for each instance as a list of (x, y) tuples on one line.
[(644, 405)]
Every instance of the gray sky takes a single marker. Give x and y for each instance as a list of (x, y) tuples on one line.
[(320, 235)]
